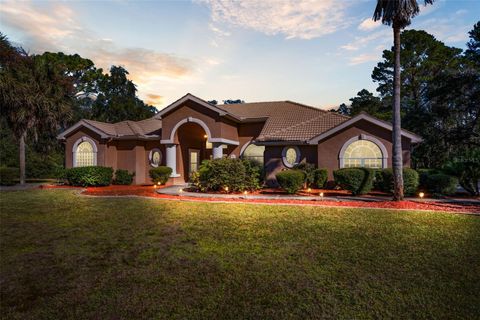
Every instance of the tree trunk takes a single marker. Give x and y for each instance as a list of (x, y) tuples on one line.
[(397, 161), (22, 158)]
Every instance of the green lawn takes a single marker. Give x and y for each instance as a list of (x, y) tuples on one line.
[(65, 256)]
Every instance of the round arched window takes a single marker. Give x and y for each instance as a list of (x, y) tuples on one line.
[(290, 156), (155, 157), (362, 153), (254, 153), (85, 155)]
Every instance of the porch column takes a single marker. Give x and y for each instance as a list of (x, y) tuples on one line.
[(171, 159), (217, 151)]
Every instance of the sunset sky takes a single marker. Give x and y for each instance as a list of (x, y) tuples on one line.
[(319, 53)]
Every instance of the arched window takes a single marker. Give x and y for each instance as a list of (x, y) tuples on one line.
[(254, 152), (290, 156), (84, 153), (363, 153), (155, 157)]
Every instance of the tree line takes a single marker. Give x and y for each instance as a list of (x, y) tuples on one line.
[(41, 95), (440, 99)]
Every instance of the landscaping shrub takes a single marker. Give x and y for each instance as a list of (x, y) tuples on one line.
[(160, 174), (384, 180), (8, 176), (123, 177), (308, 170), (89, 176), (236, 174), (442, 184), (467, 170), (423, 175), (356, 180), (320, 177), (291, 180)]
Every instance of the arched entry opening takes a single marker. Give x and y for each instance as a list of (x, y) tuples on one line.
[(193, 148)]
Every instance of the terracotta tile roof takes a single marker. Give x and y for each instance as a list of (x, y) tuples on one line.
[(287, 120), (141, 128)]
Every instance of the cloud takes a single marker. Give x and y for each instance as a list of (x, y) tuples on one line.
[(303, 19), (154, 99), (368, 24), (362, 58), (382, 36), (54, 27)]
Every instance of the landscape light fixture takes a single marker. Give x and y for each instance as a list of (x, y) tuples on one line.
[(421, 195)]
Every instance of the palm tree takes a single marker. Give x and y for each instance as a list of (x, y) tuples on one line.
[(398, 14), (34, 95)]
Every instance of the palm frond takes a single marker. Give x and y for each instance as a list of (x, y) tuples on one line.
[(397, 12)]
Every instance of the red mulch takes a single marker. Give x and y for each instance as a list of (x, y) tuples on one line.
[(149, 191)]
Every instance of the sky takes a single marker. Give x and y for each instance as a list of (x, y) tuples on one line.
[(319, 53)]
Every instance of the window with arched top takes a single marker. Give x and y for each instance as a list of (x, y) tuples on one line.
[(254, 152), (363, 153), (84, 153)]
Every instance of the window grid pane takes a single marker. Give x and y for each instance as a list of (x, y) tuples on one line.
[(363, 153), (85, 155)]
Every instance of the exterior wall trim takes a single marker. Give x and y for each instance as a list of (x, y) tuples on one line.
[(284, 156), (75, 146), (191, 97), (362, 116), (79, 124), (204, 126), (364, 137)]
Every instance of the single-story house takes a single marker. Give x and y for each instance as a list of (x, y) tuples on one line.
[(278, 134)]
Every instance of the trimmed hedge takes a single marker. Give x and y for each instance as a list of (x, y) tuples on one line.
[(89, 176), (8, 176), (308, 170), (320, 177), (384, 180), (291, 180), (122, 177), (236, 174), (160, 174), (356, 180), (442, 184)]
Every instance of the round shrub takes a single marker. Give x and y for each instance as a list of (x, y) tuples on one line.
[(384, 180), (320, 177), (442, 184), (356, 180), (218, 174), (290, 180), (89, 176), (8, 175), (308, 170), (160, 174), (122, 177)]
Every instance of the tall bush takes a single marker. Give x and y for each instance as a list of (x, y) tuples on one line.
[(320, 177), (89, 176), (235, 174), (123, 177), (356, 180), (8, 176), (308, 170), (291, 180), (160, 174), (384, 180), (467, 170), (442, 184)]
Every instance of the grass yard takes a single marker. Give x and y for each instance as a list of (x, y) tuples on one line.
[(65, 256)]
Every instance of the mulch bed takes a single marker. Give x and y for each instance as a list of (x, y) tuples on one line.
[(149, 191)]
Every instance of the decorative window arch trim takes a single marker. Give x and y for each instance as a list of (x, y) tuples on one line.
[(368, 138), (150, 157), (284, 156), (75, 146), (204, 126)]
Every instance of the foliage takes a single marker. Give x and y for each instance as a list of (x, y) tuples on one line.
[(267, 250), (160, 174), (384, 180), (442, 184), (94, 176), (308, 170), (320, 177), (233, 101), (8, 176), (356, 180), (123, 177), (291, 180), (235, 174), (467, 170)]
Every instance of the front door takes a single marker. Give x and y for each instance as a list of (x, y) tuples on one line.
[(193, 160)]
